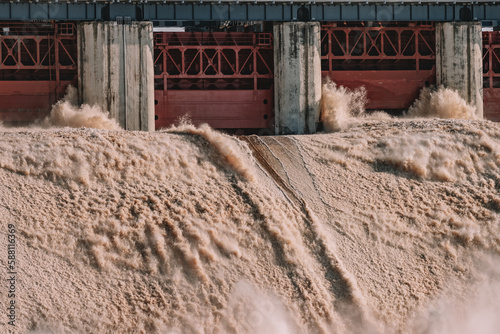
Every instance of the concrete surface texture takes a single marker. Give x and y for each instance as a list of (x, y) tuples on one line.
[(459, 60), (115, 71), (297, 83)]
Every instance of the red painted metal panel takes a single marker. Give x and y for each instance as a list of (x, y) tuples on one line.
[(386, 89), (491, 97), (24, 101), (223, 109), (218, 78), (392, 62), (491, 75)]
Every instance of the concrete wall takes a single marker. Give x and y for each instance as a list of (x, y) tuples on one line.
[(115, 71), (297, 73), (459, 62)]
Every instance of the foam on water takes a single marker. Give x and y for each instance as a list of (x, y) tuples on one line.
[(67, 113), (339, 105), (441, 103), (342, 107)]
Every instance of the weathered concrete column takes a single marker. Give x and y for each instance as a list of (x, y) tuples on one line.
[(297, 77), (459, 63), (115, 71)]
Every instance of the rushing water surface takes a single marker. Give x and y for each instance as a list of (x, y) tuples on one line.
[(385, 225)]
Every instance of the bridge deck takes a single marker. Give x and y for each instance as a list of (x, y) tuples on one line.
[(253, 10)]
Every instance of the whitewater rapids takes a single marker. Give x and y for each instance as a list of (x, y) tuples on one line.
[(386, 226)]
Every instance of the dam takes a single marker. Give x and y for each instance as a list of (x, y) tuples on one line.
[(249, 167)]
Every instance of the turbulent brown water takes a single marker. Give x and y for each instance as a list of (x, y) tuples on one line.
[(385, 226)]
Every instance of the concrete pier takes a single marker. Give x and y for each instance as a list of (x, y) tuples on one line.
[(116, 72), (459, 62), (297, 78)]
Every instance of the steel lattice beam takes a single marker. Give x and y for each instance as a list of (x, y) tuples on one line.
[(380, 44), (219, 56), (491, 75)]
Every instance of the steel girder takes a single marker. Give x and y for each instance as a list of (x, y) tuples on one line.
[(251, 11)]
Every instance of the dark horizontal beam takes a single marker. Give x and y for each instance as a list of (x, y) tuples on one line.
[(245, 12)]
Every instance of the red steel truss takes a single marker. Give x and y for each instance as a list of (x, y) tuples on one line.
[(223, 79), (392, 62), (37, 62), (491, 75)]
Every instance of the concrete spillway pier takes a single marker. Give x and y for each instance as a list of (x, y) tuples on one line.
[(459, 63), (115, 71), (297, 80)]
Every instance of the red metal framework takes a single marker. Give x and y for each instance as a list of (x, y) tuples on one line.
[(491, 75), (224, 79), (392, 62), (37, 62)]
